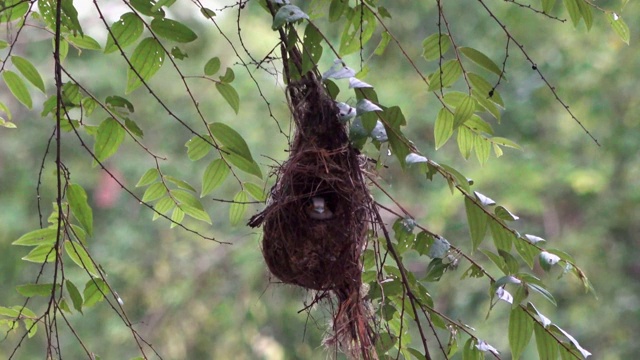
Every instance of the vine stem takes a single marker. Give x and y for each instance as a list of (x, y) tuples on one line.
[(52, 309), (534, 66)]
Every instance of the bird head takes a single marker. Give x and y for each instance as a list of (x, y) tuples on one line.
[(318, 204)]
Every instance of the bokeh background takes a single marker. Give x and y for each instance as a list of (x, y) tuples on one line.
[(196, 299)]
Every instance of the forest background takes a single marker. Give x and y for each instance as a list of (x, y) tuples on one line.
[(197, 299)]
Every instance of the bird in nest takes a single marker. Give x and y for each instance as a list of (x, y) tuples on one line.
[(317, 209)]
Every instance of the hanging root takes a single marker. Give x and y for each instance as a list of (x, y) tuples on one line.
[(352, 330)]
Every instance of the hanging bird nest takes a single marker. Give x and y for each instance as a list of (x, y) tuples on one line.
[(315, 226)]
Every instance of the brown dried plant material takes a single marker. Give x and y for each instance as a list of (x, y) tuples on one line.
[(315, 226)]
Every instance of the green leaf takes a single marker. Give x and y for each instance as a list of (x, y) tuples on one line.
[(520, 331), (149, 176), (64, 49), (207, 13), (214, 175), (94, 291), (79, 233), (563, 255), (255, 191), (30, 290), (546, 344), (154, 192), (465, 141), (8, 312), (481, 59), (190, 205), (31, 326), (212, 66), (470, 351), (80, 256), (423, 243), (17, 88), (146, 7), (357, 30), (160, 3), (80, 208), (544, 292), (336, 9), (71, 94), (448, 74), (108, 139), (197, 148), (5, 109), (41, 254), (163, 206), (13, 10), (133, 127), (459, 178), (147, 59), (384, 343), (435, 46), (455, 98), (172, 30), (483, 149), (547, 5), (84, 42), (476, 123), (382, 45), (230, 139), (7, 124), (89, 105), (443, 128), (74, 293), (178, 53), (180, 183), (463, 111), (502, 238), (484, 89), (37, 237), (477, 220), (28, 71), (70, 17), (228, 76), (288, 14), (124, 32), (248, 166), (497, 260), (527, 252), (230, 94), (512, 265), (587, 15), (176, 216), (393, 120), (118, 103), (574, 10), (505, 142), (619, 26), (312, 48), (238, 207), (487, 104), (504, 214)]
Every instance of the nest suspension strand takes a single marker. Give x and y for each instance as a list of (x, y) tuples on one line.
[(316, 223)]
